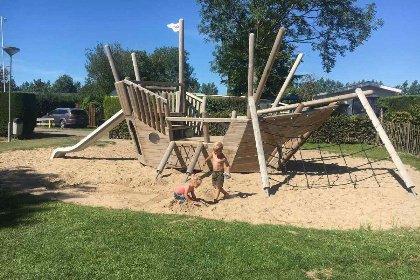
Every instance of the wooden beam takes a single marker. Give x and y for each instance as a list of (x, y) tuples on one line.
[(269, 65), (167, 113), (385, 139), (314, 102), (135, 66), (251, 48), (112, 63), (194, 159), (288, 79), (205, 119), (259, 145), (165, 158), (181, 65)]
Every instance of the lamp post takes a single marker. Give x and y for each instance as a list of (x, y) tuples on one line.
[(2, 19), (10, 51)]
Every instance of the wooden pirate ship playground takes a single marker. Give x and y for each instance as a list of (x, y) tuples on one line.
[(170, 127)]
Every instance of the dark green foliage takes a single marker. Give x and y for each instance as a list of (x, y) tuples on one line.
[(343, 129), (65, 84), (222, 108), (414, 89), (398, 103), (49, 101), (208, 89), (332, 28), (111, 106), (399, 109), (161, 65), (23, 106)]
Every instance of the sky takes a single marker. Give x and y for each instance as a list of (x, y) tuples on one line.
[(54, 34)]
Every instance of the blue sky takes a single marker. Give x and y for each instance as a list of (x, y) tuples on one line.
[(53, 36)]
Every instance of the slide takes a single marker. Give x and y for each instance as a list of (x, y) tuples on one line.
[(92, 137)]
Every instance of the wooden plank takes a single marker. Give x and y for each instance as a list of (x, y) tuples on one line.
[(209, 120), (161, 121), (155, 111), (168, 123), (142, 116), (145, 98), (135, 66), (112, 63), (134, 100)]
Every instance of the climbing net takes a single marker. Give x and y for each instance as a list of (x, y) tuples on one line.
[(295, 162)]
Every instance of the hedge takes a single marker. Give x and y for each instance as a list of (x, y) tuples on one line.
[(222, 108), (50, 101), (24, 106), (111, 106), (398, 103), (344, 129)]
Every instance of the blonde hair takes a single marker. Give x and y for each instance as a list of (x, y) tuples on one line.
[(217, 146), (195, 180)]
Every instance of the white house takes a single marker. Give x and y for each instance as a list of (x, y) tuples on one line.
[(353, 106)]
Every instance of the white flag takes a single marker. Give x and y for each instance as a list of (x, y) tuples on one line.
[(174, 26)]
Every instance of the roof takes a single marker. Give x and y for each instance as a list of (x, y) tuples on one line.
[(360, 85)]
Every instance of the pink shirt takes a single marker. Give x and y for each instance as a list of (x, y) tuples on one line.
[(180, 189)]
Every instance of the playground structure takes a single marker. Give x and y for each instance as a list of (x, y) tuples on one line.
[(170, 127)]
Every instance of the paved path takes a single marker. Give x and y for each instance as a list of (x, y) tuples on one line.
[(65, 131)]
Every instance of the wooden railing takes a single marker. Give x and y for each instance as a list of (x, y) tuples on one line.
[(193, 107), (145, 104)]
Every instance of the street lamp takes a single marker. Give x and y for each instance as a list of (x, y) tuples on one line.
[(10, 51), (2, 19)]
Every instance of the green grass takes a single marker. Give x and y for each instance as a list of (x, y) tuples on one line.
[(374, 153), (30, 144), (69, 128), (42, 239)]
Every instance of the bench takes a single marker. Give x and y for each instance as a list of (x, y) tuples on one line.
[(44, 121)]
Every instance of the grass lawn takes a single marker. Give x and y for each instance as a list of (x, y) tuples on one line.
[(30, 144), (42, 239), (374, 153)]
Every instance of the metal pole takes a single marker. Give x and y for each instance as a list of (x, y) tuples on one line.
[(2, 55), (9, 137)]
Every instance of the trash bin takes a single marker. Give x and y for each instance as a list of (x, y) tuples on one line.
[(17, 127)]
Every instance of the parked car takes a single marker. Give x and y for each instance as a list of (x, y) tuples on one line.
[(65, 117)]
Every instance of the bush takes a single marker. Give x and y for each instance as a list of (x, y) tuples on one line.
[(24, 106), (226, 105), (111, 106), (343, 129)]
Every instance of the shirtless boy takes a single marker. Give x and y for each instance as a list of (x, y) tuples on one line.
[(219, 161)]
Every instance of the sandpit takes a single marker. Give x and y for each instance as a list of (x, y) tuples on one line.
[(112, 177)]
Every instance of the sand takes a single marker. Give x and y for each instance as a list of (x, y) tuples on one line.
[(112, 177)]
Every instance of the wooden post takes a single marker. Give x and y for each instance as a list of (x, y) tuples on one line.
[(203, 112), (159, 108), (388, 145), (314, 102), (269, 65), (251, 45), (288, 79), (299, 108), (112, 63), (194, 160), (181, 65), (165, 158), (234, 115), (259, 145), (135, 66)]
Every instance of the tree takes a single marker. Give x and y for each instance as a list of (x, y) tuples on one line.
[(40, 86), (161, 65), (331, 27), (65, 84), (209, 88), (414, 89)]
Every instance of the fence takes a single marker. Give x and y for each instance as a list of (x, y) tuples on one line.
[(404, 136)]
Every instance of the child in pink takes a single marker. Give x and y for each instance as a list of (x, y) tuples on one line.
[(182, 192)]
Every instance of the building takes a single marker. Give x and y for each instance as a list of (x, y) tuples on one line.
[(353, 106)]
